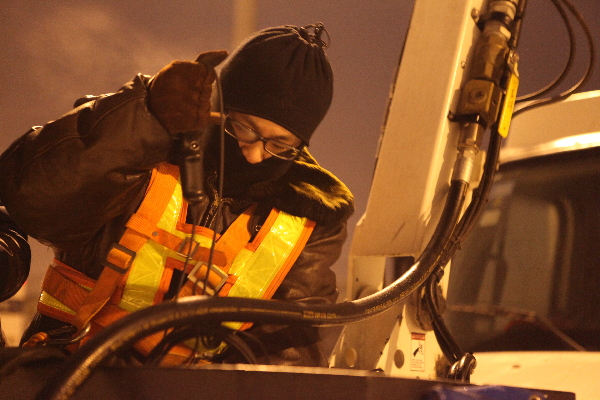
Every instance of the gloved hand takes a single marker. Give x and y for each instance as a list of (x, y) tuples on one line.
[(15, 259), (179, 95)]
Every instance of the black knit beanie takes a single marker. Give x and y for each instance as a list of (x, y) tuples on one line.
[(281, 74)]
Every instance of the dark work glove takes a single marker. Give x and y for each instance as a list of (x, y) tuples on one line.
[(179, 95), (15, 257)]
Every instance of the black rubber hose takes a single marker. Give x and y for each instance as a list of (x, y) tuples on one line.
[(133, 327), (479, 200), (558, 80), (587, 74), (448, 344), (450, 348)]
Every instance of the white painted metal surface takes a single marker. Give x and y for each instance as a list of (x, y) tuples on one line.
[(415, 159), (417, 149), (578, 114), (577, 372)]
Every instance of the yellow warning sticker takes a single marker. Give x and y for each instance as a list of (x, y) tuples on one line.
[(508, 106), (417, 351)]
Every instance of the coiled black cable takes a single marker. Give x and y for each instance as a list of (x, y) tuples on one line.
[(209, 336), (586, 74), (567, 68), (198, 310)]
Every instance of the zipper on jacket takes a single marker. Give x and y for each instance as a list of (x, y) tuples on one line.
[(210, 215)]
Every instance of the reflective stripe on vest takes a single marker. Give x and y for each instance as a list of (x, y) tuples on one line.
[(148, 269), (254, 269)]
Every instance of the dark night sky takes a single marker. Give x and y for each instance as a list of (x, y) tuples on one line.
[(54, 52)]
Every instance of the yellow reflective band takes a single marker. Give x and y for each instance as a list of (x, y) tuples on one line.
[(256, 271), (50, 301), (144, 277), (169, 218), (147, 269)]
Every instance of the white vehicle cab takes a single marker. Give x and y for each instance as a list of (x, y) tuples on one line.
[(523, 291)]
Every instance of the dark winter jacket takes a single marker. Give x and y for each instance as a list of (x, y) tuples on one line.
[(73, 184)]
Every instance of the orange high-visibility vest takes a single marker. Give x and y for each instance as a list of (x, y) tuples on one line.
[(138, 269)]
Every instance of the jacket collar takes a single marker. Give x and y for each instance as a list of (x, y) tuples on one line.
[(307, 190)]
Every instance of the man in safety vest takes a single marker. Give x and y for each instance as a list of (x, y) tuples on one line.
[(102, 186)]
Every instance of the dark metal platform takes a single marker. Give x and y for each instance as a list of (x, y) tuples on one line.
[(221, 382)]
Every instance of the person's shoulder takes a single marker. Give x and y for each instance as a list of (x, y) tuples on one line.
[(137, 84)]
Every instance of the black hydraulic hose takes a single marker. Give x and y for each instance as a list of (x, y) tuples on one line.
[(448, 344), (558, 80), (462, 369), (479, 199), (480, 195), (135, 326), (462, 363), (450, 348), (586, 74)]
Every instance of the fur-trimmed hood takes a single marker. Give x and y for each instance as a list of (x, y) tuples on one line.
[(307, 190)]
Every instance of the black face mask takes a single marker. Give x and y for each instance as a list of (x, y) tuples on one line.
[(240, 175)]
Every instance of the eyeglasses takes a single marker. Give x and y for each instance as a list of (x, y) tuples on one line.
[(247, 135)]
